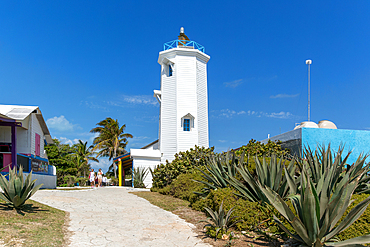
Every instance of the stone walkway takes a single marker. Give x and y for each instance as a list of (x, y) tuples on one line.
[(111, 216)]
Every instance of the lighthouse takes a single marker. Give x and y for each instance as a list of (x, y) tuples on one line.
[(183, 97), (183, 100)]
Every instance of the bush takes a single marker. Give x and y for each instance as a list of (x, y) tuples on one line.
[(254, 148), (114, 181), (82, 181), (361, 226), (69, 180), (251, 214), (183, 186), (164, 175), (211, 231)]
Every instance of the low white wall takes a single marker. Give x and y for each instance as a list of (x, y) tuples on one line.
[(146, 158), (146, 163), (49, 181)]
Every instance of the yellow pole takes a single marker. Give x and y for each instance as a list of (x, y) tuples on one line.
[(120, 172)]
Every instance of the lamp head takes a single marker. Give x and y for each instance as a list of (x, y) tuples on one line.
[(308, 61)]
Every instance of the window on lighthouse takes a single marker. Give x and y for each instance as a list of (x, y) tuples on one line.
[(186, 124), (169, 70)]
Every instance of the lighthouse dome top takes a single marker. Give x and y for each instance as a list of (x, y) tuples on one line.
[(183, 42)]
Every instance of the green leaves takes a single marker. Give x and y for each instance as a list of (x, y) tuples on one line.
[(220, 220), (184, 162), (17, 191), (322, 198), (139, 176), (112, 139)]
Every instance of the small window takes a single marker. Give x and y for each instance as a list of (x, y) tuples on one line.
[(169, 70), (186, 124)]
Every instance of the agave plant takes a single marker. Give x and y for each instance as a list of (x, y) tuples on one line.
[(17, 191), (315, 163), (319, 207), (267, 174), (139, 176), (220, 168), (221, 221)]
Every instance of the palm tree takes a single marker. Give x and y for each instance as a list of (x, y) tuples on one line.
[(111, 141), (83, 155)]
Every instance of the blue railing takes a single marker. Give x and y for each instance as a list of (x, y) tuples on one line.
[(179, 43)]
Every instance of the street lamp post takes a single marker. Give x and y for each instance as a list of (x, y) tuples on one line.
[(308, 62)]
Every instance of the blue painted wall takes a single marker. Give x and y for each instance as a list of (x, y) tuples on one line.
[(357, 141)]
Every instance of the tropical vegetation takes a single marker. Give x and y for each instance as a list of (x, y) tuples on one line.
[(72, 162), (17, 190), (139, 176), (220, 221), (307, 199), (111, 140)]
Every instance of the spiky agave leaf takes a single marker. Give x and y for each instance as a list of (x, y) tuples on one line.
[(320, 206), (221, 221), (17, 191)]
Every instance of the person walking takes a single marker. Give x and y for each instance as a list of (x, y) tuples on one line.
[(92, 178), (100, 178)]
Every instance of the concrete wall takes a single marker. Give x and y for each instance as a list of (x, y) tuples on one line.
[(357, 141), (146, 158), (49, 181), (291, 140)]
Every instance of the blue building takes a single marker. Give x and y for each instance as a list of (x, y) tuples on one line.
[(356, 141)]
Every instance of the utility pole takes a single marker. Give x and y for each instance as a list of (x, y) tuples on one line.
[(308, 62)]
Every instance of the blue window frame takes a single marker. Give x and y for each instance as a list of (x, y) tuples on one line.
[(186, 124), (169, 70)]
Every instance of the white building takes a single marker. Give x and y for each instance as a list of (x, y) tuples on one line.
[(23, 134), (183, 99)]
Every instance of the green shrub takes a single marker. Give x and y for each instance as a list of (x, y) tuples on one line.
[(69, 180), (183, 187), (211, 231), (254, 148), (164, 175), (361, 226), (82, 181), (250, 214)]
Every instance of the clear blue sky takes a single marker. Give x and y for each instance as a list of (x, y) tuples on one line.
[(83, 61)]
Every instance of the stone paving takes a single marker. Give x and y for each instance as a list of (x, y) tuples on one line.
[(110, 216)]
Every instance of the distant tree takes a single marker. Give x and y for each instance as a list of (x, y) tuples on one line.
[(82, 155), (111, 141), (59, 155)]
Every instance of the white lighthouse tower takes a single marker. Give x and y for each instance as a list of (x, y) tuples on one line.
[(183, 120), (183, 117)]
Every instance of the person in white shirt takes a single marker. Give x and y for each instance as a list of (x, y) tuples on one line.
[(105, 180), (92, 178)]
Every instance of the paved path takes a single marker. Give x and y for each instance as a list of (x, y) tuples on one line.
[(111, 216)]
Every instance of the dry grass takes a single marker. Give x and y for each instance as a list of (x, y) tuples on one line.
[(35, 225), (182, 209)]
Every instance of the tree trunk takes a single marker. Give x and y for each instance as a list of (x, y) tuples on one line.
[(114, 164)]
